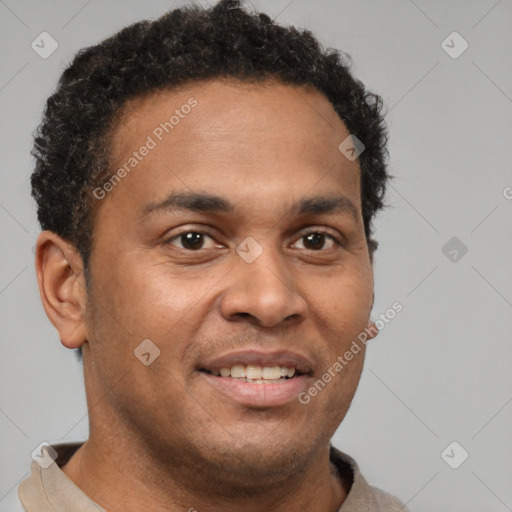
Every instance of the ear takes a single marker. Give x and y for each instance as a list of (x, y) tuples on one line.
[(372, 330), (61, 281), (372, 247)]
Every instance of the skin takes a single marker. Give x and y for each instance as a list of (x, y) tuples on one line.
[(161, 438)]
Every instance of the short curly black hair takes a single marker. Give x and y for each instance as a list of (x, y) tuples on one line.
[(185, 45)]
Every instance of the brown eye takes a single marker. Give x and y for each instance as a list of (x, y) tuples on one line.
[(316, 241), (189, 240), (192, 240)]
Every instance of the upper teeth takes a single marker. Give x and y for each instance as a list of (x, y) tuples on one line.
[(252, 371)]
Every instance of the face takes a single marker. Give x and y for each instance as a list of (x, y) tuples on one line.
[(235, 240)]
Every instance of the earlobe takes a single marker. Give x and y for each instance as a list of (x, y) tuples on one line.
[(372, 330), (60, 277)]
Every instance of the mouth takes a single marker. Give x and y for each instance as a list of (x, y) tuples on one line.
[(256, 374), (257, 379)]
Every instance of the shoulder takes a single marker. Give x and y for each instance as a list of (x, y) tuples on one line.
[(386, 502), (362, 496)]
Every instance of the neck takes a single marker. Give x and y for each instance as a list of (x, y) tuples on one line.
[(120, 478)]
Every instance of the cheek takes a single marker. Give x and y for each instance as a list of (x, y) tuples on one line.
[(345, 299), (344, 314), (151, 300)]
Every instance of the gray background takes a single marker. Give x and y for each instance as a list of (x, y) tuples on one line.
[(440, 371)]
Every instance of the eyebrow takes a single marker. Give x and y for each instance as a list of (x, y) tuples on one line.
[(202, 202), (325, 205), (193, 201)]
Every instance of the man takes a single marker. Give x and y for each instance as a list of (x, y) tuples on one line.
[(206, 185)]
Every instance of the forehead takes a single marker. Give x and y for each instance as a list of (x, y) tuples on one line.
[(251, 141), (225, 104)]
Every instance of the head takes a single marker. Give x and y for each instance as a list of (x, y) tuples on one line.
[(192, 192)]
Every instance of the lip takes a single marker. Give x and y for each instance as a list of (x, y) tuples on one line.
[(250, 394), (259, 357)]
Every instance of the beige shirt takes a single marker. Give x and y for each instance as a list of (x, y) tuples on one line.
[(50, 490)]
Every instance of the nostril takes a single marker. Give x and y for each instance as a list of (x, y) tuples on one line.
[(245, 316)]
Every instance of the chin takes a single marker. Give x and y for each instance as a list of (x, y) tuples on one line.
[(248, 470), (267, 458)]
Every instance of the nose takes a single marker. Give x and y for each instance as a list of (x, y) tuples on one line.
[(263, 293)]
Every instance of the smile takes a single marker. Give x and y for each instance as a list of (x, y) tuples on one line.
[(253, 378), (256, 374)]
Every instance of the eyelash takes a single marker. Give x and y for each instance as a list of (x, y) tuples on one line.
[(304, 234)]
